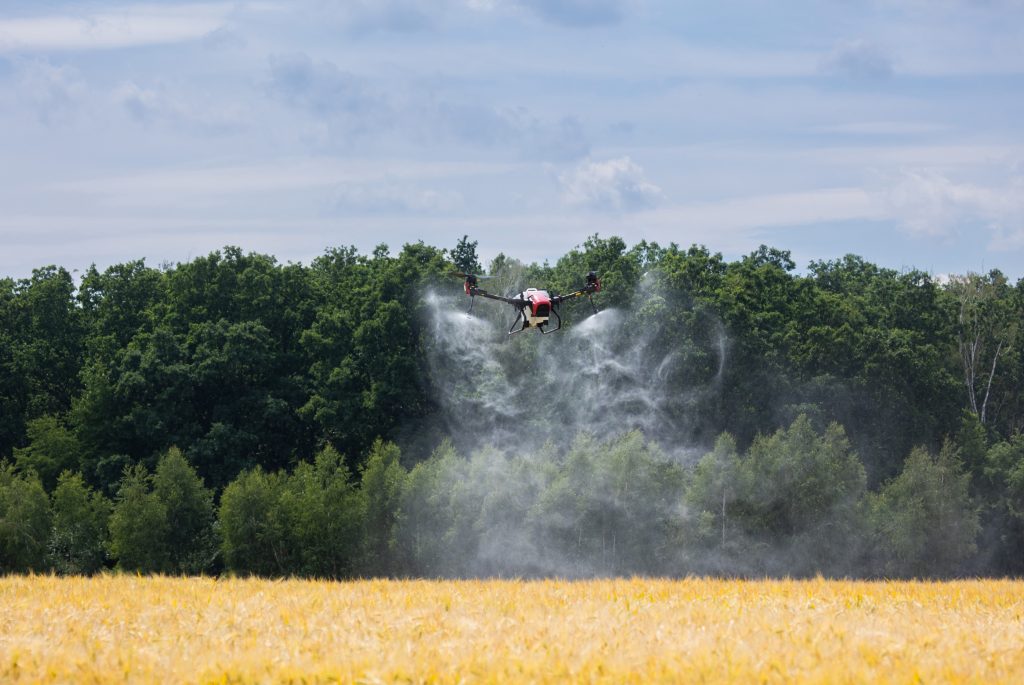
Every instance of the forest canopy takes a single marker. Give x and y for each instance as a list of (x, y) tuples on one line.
[(347, 417)]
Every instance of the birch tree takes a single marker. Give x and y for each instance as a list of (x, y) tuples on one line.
[(986, 330)]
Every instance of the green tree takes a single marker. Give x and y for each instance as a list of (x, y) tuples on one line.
[(322, 514), (119, 303), (972, 444), (609, 509), (1014, 500), (988, 326), (1003, 492), (51, 449), (365, 345), (713, 490), (12, 387), (24, 521), (923, 520), (463, 256), (802, 490), (191, 539), (139, 529), (425, 517), (41, 343), (383, 479), (253, 538), (78, 542), (308, 523), (618, 268), (211, 363)]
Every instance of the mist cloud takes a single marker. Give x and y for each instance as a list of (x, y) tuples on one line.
[(604, 375)]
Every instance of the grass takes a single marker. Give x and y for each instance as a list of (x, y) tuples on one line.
[(159, 630)]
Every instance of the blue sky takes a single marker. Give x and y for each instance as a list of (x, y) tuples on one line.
[(891, 129)]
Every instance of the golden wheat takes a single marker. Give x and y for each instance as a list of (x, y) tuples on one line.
[(157, 630)]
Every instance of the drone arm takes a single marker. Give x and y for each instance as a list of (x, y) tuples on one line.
[(593, 286), (586, 290), (474, 292), (559, 299)]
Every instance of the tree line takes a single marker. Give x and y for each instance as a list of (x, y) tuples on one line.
[(234, 413), (794, 503)]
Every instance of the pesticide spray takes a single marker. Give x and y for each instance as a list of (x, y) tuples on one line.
[(600, 376), (555, 433)]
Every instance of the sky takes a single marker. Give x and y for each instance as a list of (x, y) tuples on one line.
[(891, 129)]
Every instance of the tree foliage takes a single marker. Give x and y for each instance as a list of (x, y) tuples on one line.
[(139, 528), (188, 506), (79, 539), (282, 392), (24, 521), (924, 520), (51, 450)]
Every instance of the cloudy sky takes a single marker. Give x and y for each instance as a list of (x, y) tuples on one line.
[(888, 128)]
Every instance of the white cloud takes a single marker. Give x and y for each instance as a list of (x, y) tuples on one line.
[(931, 204), (129, 26), (616, 185)]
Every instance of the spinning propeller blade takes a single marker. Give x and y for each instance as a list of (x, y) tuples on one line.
[(460, 274)]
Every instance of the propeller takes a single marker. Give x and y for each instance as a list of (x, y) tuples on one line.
[(461, 274)]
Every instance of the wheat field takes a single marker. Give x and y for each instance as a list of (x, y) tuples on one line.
[(160, 630)]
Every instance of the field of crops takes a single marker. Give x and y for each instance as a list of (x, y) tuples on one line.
[(639, 631)]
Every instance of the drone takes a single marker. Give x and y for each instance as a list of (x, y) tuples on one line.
[(534, 307)]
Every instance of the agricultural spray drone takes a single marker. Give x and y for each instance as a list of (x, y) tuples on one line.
[(534, 307)]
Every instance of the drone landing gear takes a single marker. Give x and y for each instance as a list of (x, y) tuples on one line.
[(520, 316), (523, 322), (557, 318)]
